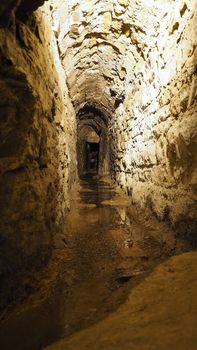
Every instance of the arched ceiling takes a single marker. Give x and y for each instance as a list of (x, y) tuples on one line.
[(103, 44), (92, 117)]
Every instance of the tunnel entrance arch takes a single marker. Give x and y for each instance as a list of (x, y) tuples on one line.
[(92, 142)]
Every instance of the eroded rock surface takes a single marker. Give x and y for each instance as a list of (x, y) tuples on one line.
[(159, 314), (136, 62), (36, 148), (107, 247), (127, 69)]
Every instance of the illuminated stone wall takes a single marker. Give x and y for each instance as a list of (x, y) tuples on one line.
[(136, 62), (154, 132), (125, 68), (37, 145)]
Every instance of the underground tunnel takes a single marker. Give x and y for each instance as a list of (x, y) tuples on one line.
[(92, 142), (98, 155)]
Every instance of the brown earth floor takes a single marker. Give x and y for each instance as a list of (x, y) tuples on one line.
[(159, 314), (106, 253)]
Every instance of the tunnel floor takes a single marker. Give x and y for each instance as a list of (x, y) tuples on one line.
[(108, 247)]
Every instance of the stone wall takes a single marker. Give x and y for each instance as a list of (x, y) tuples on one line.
[(154, 132), (130, 67), (135, 61), (37, 145)]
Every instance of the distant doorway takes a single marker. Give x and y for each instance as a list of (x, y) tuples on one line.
[(92, 157), (88, 151)]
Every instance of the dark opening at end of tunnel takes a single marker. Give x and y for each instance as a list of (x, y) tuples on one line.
[(117, 78), (92, 157), (92, 142)]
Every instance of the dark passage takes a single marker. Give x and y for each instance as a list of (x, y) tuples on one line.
[(92, 157)]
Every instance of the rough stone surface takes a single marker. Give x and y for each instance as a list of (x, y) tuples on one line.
[(136, 62), (37, 146), (159, 314), (129, 70)]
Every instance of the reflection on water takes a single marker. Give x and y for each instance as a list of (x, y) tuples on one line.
[(105, 250)]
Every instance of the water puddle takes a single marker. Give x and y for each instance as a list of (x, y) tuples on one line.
[(106, 249)]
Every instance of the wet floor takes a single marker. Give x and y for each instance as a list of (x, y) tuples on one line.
[(106, 249)]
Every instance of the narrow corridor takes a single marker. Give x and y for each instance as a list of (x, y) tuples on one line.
[(106, 250), (98, 180)]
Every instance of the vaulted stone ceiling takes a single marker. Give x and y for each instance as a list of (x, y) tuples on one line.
[(134, 61), (101, 42), (134, 64), (129, 70), (105, 46)]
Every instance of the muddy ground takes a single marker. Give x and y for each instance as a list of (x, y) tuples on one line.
[(106, 249)]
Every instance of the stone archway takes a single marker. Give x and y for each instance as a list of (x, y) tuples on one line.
[(92, 126)]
